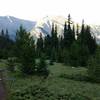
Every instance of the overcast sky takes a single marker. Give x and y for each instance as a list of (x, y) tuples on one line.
[(89, 10)]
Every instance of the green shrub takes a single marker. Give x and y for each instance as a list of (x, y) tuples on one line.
[(42, 68), (11, 64), (37, 92), (51, 62), (94, 67)]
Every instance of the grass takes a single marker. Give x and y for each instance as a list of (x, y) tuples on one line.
[(2, 64), (56, 84)]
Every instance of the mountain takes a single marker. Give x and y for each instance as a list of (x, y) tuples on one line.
[(12, 24), (44, 26)]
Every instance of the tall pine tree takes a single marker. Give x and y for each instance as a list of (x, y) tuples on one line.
[(40, 46), (68, 33), (25, 51)]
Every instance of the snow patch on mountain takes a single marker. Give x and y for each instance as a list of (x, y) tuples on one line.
[(9, 19), (44, 25)]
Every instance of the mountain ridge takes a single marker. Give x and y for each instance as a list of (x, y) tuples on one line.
[(43, 26), (12, 24)]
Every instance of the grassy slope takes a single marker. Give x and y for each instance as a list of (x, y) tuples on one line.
[(60, 85)]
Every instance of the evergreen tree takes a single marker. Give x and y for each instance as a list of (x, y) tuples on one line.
[(73, 31), (87, 39), (87, 44), (2, 33), (40, 46), (68, 34), (77, 30), (94, 67), (79, 54), (60, 49), (6, 45), (90, 41), (65, 30), (75, 54), (52, 30), (25, 51), (71, 36), (52, 56), (65, 35), (54, 38), (47, 46), (66, 57), (54, 43), (42, 67), (7, 35), (82, 35)]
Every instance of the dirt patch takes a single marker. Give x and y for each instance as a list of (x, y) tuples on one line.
[(2, 91)]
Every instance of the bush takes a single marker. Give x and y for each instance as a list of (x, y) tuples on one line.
[(94, 67), (28, 68), (51, 62), (42, 67), (11, 64)]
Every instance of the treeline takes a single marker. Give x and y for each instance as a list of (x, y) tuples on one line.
[(6, 45), (71, 48), (74, 47)]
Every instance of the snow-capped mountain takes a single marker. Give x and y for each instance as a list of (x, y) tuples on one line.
[(12, 24), (44, 26)]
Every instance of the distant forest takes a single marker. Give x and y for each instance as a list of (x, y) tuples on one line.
[(73, 48)]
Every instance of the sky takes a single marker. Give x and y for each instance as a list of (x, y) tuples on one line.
[(89, 10)]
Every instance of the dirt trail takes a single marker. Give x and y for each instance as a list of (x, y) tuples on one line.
[(2, 91)]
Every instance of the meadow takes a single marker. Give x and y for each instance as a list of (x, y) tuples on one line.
[(59, 85)]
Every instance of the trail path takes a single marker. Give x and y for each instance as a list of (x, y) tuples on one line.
[(2, 91)]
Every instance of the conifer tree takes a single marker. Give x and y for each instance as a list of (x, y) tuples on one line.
[(73, 31), (7, 35), (60, 49), (83, 40), (68, 34), (42, 67), (54, 42), (65, 30), (94, 66), (2, 33), (47, 46), (79, 54), (25, 51), (82, 35), (55, 38), (87, 39), (90, 41), (40, 46), (52, 30), (77, 31), (65, 34), (6, 45)]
